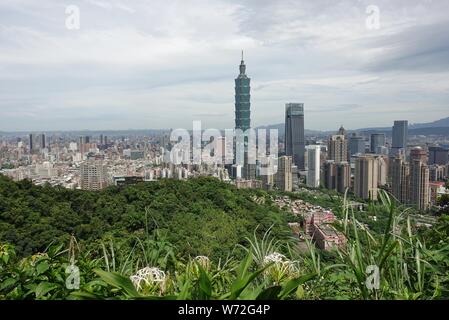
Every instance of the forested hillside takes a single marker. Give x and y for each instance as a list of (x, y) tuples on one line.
[(199, 217)]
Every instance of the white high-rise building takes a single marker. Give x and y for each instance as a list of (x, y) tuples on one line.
[(313, 162), (93, 175)]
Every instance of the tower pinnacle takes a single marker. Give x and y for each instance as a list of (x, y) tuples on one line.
[(242, 66)]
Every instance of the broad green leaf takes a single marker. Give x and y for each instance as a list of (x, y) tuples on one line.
[(240, 284), (117, 280), (44, 287), (42, 267), (7, 283), (205, 284), (270, 293), (291, 285)]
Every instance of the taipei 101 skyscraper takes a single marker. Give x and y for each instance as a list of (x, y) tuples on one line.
[(243, 120), (242, 99)]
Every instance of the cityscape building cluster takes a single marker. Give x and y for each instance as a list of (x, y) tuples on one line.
[(412, 168)]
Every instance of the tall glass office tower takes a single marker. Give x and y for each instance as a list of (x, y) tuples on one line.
[(400, 137), (356, 144), (377, 141), (294, 133), (400, 134), (242, 99)]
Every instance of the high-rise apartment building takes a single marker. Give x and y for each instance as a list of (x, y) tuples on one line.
[(366, 177), (343, 177), (294, 133), (313, 164), (437, 172), (329, 174), (377, 141), (418, 153), (338, 147), (93, 175), (410, 181), (400, 136), (400, 180), (283, 178), (337, 176), (382, 169), (419, 185)]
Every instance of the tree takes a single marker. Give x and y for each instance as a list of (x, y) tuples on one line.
[(443, 203)]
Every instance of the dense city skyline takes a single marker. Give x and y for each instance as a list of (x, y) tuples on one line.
[(138, 65)]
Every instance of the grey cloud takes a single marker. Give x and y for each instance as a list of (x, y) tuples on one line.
[(157, 64), (423, 48)]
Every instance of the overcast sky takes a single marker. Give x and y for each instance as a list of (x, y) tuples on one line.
[(161, 64)]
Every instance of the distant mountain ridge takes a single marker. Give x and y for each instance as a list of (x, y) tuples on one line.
[(435, 124), (442, 123), (439, 127)]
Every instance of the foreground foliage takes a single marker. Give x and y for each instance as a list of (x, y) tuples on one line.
[(264, 263)]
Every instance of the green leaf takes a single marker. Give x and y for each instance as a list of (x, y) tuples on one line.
[(5, 257), (7, 283), (205, 284), (43, 288), (300, 292), (291, 285), (118, 281), (387, 253), (55, 250), (243, 280), (185, 291), (270, 293), (42, 267)]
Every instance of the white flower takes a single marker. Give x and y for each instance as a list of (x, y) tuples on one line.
[(281, 266), (274, 257), (148, 276), (203, 261)]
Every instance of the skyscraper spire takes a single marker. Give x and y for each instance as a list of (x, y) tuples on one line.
[(242, 66)]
